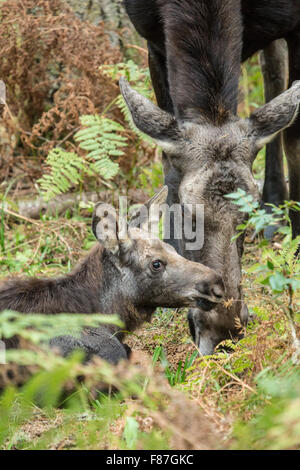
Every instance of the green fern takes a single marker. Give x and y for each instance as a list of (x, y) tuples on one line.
[(67, 170), (141, 81), (100, 139), (133, 73)]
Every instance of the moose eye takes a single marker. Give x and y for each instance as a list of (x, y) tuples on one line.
[(156, 265)]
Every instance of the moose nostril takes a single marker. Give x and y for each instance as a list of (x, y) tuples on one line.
[(213, 288), (218, 289), (204, 288)]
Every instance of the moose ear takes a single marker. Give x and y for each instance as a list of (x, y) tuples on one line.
[(150, 213), (110, 229), (275, 116), (150, 119)]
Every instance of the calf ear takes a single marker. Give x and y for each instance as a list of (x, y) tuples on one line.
[(147, 216), (110, 229), (150, 119), (275, 116), (158, 198)]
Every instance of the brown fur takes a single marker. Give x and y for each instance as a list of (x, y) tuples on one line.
[(208, 150), (81, 291), (116, 277)]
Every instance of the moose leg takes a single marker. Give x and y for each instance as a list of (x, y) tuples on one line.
[(158, 71), (292, 134), (275, 71), (146, 19)]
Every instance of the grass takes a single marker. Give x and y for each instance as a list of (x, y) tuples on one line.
[(168, 397)]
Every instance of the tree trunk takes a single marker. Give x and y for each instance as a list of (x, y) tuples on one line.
[(111, 12)]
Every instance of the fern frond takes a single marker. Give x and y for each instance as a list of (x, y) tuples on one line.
[(133, 73), (66, 170), (101, 139), (140, 78)]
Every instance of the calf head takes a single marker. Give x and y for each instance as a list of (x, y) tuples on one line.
[(212, 161), (152, 273)]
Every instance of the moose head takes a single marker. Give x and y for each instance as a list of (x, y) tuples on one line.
[(212, 161), (151, 272)]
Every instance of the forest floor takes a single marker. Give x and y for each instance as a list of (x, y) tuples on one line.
[(208, 402)]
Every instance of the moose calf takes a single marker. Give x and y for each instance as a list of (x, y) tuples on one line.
[(129, 275)]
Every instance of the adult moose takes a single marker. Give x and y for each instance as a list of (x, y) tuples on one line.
[(195, 50), (128, 273)]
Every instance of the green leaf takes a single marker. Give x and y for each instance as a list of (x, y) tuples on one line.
[(270, 265), (278, 282), (295, 284), (130, 433), (237, 195)]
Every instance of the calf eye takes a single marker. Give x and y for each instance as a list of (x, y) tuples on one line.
[(156, 265)]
